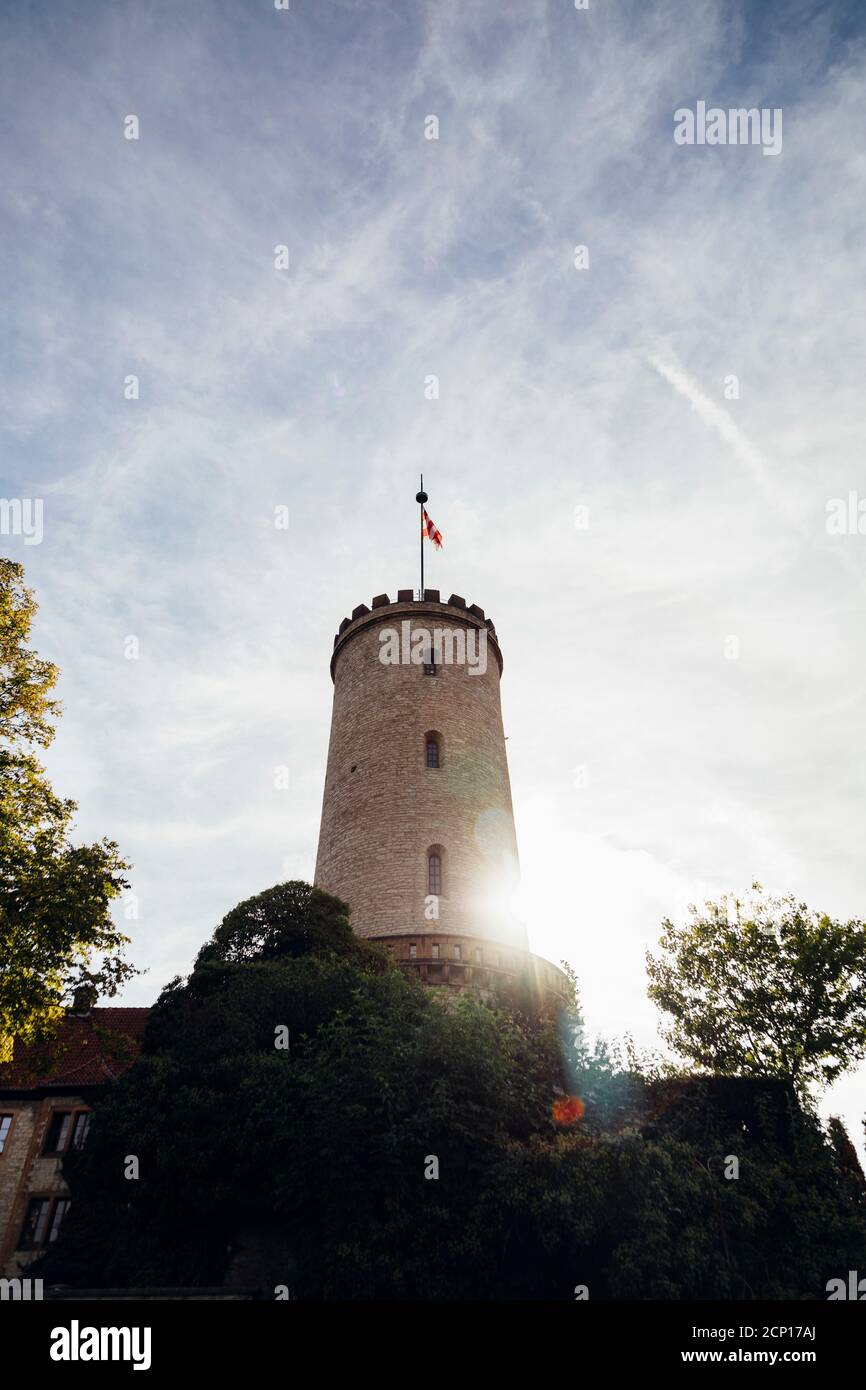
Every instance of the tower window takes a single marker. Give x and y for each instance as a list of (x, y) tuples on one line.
[(434, 950), (478, 955), (413, 951), (458, 953), (434, 874), (432, 751)]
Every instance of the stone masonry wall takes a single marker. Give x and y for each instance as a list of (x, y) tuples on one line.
[(383, 808), (29, 1172)]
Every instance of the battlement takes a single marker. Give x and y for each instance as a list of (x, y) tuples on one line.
[(407, 604)]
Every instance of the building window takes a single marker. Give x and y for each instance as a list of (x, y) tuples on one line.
[(66, 1126), (81, 1129), (434, 874), (458, 954), (61, 1207), (35, 1223), (413, 951), (5, 1126), (58, 1132), (435, 950), (42, 1222)]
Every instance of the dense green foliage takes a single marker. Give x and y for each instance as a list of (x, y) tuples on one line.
[(773, 989), (54, 895), (314, 1156)]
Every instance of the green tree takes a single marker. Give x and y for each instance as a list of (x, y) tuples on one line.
[(765, 989), (314, 1156), (648, 1213), (56, 933), (321, 1145)]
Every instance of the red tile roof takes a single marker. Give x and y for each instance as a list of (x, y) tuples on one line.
[(88, 1050)]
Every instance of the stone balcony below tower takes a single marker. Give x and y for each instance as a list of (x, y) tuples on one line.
[(458, 963)]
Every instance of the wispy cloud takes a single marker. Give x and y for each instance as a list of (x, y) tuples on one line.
[(305, 388)]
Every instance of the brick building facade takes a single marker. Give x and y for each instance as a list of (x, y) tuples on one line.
[(46, 1096)]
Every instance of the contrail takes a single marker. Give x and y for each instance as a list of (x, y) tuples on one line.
[(712, 414)]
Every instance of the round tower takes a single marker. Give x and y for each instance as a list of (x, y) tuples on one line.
[(417, 831)]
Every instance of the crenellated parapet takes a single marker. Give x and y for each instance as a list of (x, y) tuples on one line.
[(409, 605)]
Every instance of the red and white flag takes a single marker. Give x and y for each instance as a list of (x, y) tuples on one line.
[(429, 530)]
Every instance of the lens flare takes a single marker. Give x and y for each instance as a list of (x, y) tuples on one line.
[(567, 1110)]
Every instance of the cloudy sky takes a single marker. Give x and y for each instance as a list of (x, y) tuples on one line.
[(684, 659)]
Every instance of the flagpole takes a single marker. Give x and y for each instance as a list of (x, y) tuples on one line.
[(421, 498)]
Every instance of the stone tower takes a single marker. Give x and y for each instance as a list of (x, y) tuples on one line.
[(417, 831)]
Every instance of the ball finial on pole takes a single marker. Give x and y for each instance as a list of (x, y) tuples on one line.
[(421, 498)]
